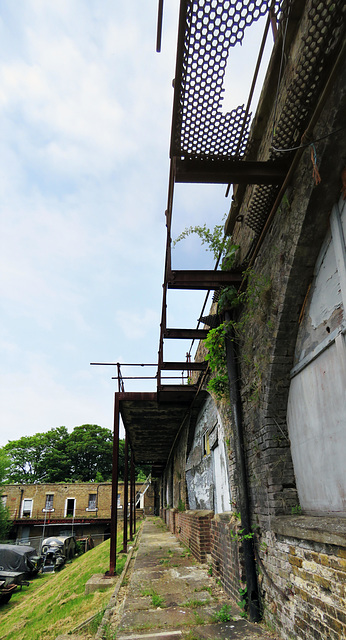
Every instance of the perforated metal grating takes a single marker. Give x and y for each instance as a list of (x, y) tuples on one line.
[(324, 34), (212, 27)]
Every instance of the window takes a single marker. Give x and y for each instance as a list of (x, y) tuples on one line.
[(92, 502), (70, 507), (206, 444), (49, 502), (3, 500), (27, 508), (118, 502)]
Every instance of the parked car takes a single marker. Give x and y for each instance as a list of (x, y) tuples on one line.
[(17, 564), (56, 550)]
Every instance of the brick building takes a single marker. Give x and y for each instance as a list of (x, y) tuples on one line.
[(56, 508)]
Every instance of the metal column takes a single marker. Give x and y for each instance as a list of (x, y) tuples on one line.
[(126, 493), (114, 510)]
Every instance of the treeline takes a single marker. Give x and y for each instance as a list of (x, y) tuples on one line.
[(84, 455)]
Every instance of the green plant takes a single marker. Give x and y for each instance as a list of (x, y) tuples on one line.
[(156, 599), (220, 246), (181, 505), (191, 636), (198, 618), (223, 615), (240, 535), (194, 603), (209, 589), (216, 356), (242, 603), (296, 510), (210, 570)]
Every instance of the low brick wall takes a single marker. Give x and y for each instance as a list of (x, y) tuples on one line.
[(193, 529), (226, 553)]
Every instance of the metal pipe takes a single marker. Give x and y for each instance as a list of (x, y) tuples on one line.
[(247, 543), (132, 478), (134, 501), (126, 496), (159, 26), (114, 508)]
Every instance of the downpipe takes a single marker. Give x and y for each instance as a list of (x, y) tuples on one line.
[(236, 405)]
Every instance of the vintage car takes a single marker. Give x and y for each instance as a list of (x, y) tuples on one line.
[(17, 564), (19, 560), (56, 550)]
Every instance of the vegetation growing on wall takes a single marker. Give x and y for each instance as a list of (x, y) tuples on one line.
[(252, 298)]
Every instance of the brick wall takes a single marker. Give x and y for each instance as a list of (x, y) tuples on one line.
[(193, 529), (172, 522), (16, 493), (226, 553), (304, 585)]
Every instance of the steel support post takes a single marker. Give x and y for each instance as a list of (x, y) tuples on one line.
[(132, 496), (126, 492), (114, 508)]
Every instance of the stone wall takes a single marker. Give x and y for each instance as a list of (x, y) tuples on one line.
[(304, 580)]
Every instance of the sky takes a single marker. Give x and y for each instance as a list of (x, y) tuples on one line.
[(85, 112)]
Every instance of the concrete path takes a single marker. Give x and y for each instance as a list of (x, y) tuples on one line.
[(171, 596)]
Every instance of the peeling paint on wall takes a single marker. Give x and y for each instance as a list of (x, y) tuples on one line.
[(207, 473)]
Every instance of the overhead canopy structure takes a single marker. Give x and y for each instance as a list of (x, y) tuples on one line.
[(152, 423)]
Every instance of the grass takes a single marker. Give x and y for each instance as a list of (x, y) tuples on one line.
[(56, 603), (209, 589), (156, 599), (194, 604)]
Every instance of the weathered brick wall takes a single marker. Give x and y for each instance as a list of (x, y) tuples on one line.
[(193, 529), (226, 553), (303, 588), (16, 493)]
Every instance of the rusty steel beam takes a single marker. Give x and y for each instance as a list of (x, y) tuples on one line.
[(228, 171), (184, 366), (202, 279), (188, 334)]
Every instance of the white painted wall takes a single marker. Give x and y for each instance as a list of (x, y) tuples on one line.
[(207, 475), (316, 412)]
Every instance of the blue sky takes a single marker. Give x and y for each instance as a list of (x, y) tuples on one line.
[(85, 107)]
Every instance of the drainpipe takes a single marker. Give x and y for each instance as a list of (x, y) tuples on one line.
[(236, 405), (20, 501)]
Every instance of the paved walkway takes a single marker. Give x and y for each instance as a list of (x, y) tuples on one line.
[(171, 596)]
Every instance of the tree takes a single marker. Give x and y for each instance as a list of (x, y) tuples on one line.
[(84, 455), (42, 457), (90, 450), (5, 522)]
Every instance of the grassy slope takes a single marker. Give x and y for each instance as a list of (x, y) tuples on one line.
[(55, 603)]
